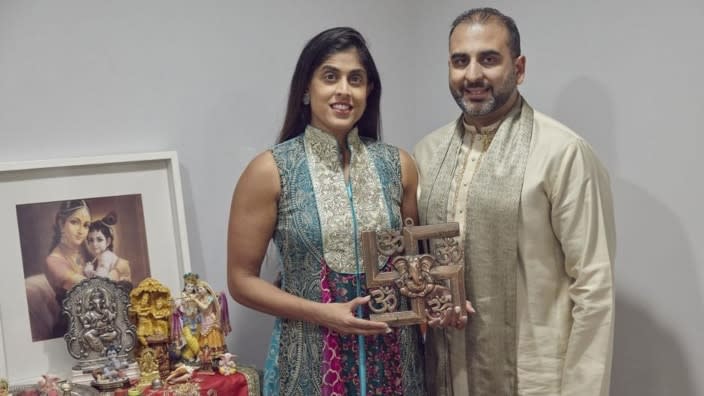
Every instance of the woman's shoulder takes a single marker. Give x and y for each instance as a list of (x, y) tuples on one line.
[(379, 147), (261, 167), (406, 160), (260, 178), (295, 143), (288, 154), (387, 156)]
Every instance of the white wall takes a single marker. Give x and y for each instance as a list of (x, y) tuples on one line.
[(209, 79)]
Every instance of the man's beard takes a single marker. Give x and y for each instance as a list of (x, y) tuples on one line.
[(498, 98)]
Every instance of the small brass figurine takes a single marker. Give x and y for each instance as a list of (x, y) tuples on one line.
[(66, 389), (152, 305), (148, 367)]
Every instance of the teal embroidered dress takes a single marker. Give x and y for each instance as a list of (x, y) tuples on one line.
[(315, 235)]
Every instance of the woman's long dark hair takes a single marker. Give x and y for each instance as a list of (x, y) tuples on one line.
[(316, 51)]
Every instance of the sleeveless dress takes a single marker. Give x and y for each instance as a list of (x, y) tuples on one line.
[(320, 219)]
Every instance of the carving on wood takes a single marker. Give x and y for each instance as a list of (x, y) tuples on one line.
[(433, 282)]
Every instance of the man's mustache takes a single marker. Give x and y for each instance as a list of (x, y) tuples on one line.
[(478, 84)]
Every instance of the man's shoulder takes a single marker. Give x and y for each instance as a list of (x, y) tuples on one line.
[(552, 139), (430, 141), (438, 133), (550, 129)]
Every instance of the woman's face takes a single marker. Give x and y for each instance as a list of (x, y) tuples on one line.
[(338, 93), (75, 227), (97, 242)]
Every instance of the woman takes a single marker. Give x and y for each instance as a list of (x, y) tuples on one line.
[(212, 331), (65, 262), (327, 179)]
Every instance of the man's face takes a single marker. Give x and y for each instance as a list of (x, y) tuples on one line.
[(482, 74)]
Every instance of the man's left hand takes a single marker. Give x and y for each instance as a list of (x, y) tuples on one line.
[(453, 317)]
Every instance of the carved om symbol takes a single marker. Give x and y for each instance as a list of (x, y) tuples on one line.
[(389, 243), (447, 251), (438, 302), (383, 300)]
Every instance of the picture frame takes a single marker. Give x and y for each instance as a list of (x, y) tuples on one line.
[(149, 182)]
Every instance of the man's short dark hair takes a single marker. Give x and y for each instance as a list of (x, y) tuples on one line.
[(483, 15)]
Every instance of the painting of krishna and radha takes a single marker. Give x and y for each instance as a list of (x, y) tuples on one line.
[(65, 242)]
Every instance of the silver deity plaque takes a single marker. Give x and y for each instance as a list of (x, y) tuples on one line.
[(97, 310)]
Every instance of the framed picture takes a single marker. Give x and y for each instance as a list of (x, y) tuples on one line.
[(119, 217)]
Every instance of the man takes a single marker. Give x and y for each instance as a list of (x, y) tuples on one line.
[(536, 220)]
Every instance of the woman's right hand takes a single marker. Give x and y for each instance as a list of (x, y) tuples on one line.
[(340, 317)]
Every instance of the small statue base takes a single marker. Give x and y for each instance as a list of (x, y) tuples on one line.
[(110, 385), (85, 377)]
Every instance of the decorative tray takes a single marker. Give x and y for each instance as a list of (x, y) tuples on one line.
[(33, 390)]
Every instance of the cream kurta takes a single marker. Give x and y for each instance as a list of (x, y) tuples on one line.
[(566, 244)]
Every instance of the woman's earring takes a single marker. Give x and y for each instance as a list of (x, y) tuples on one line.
[(306, 99)]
